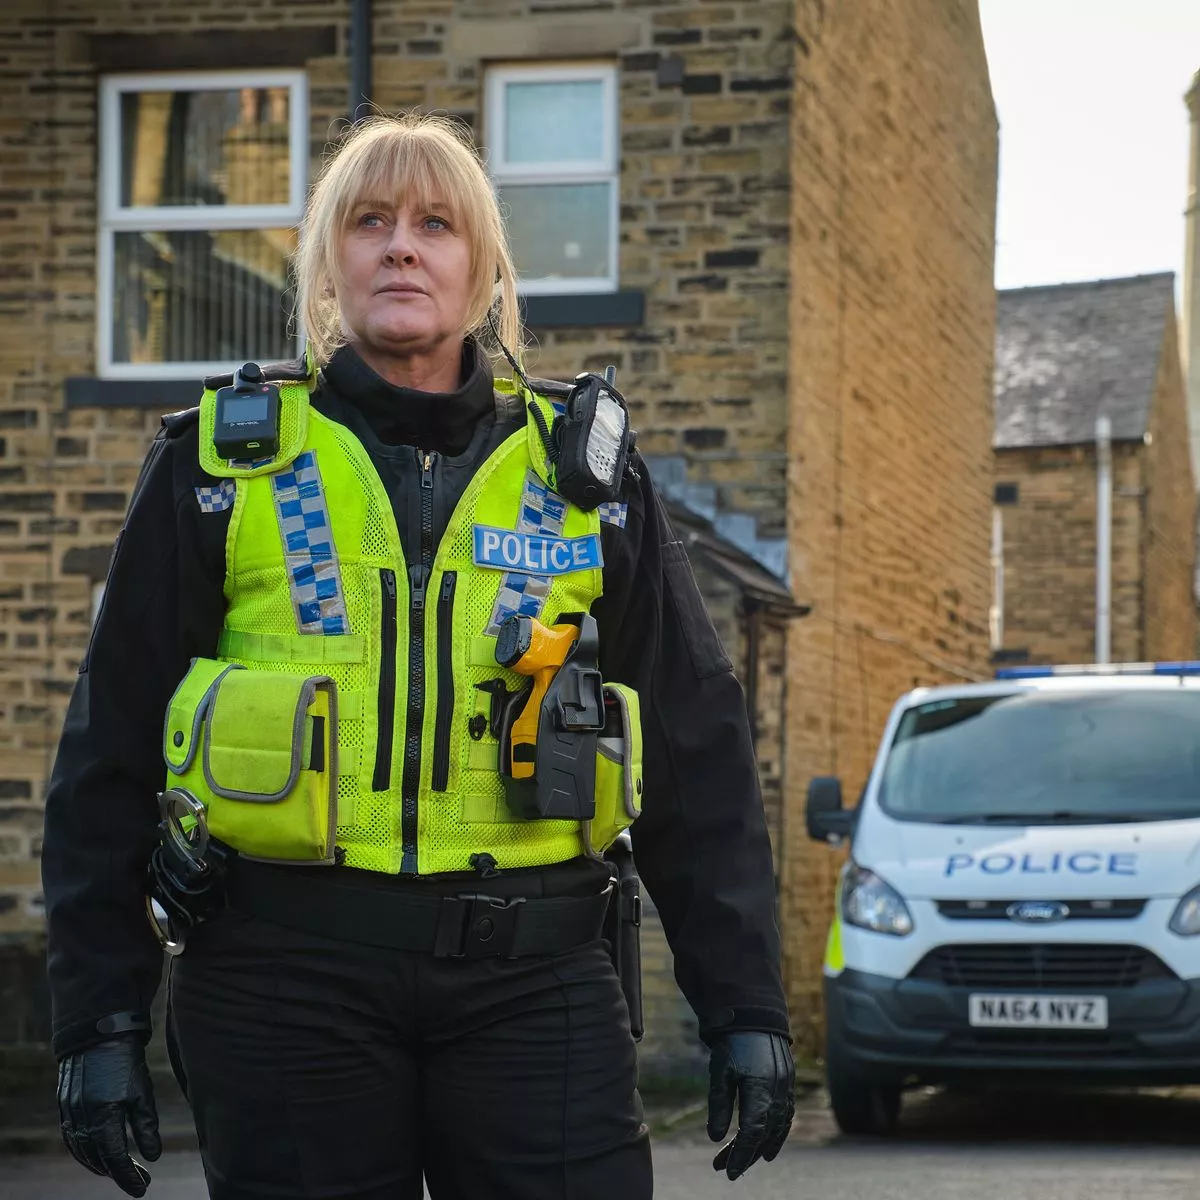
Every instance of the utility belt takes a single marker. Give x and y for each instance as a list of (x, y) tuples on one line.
[(471, 924), (192, 878)]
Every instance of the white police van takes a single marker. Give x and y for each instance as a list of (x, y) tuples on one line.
[(1022, 893)]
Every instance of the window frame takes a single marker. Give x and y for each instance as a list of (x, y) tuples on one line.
[(606, 169), (114, 218)]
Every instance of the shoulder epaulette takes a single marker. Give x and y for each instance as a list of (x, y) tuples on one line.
[(177, 422), (294, 370), (551, 387)]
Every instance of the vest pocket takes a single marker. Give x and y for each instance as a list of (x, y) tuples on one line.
[(259, 750), (618, 769), (445, 682)]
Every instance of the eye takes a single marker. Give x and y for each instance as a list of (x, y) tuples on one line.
[(436, 222), (370, 220)]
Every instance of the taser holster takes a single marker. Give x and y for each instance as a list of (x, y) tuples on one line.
[(588, 756), (572, 715)]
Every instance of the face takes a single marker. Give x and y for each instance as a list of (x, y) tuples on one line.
[(405, 279)]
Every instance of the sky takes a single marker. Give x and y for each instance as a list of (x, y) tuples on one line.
[(1093, 135)]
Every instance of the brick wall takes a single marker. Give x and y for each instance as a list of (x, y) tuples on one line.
[(894, 145), (1050, 552), (1169, 543), (704, 204)]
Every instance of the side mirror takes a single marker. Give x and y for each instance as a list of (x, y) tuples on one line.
[(825, 817)]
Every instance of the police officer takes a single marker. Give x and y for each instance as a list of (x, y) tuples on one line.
[(414, 986)]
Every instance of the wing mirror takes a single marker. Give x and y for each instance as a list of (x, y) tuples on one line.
[(825, 817)]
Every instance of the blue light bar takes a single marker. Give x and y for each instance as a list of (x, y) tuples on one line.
[(1162, 668)]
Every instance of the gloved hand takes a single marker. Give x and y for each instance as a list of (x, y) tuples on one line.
[(99, 1089), (758, 1069)]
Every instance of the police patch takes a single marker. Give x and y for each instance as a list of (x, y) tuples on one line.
[(217, 498), (535, 553)]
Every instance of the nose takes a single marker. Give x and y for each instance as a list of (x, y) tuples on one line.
[(401, 249)]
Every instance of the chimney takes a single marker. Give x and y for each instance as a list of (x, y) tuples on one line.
[(1190, 334)]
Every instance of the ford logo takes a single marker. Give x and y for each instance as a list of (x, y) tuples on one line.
[(1038, 912)]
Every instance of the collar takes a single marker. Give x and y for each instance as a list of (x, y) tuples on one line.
[(441, 421)]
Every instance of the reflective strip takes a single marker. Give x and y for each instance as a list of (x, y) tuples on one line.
[(313, 575), (835, 960), (542, 511), (291, 647)]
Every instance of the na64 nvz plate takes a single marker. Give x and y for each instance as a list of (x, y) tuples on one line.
[(1038, 1012)]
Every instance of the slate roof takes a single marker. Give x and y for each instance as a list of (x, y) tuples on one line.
[(1072, 352)]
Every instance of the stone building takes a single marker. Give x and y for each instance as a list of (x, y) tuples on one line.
[(775, 217), (1190, 323), (1065, 356)]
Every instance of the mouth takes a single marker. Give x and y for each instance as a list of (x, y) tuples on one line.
[(402, 289)]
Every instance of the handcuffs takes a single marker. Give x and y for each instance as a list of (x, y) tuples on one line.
[(185, 879)]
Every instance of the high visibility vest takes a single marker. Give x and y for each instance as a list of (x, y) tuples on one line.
[(334, 634)]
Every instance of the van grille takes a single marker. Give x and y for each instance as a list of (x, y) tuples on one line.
[(997, 910), (1065, 1043), (1049, 967)]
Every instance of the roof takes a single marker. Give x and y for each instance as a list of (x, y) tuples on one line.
[(1070, 353), (1054, 683)]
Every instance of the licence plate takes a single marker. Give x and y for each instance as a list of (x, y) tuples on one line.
[(1039, 1012)]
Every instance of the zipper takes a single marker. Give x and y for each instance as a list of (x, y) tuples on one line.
[(410, 782), (445, 682), (387, 681)]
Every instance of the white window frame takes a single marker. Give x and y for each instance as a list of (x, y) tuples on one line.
[(605, 169), (116, 218)]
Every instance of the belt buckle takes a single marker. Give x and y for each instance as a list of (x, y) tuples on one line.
[(475, 925)]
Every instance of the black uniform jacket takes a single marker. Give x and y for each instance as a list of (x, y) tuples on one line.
[(700, 845)]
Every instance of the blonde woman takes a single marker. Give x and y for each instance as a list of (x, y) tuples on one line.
[(394, 971)]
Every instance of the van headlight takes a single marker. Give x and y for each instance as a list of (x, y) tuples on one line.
[(1185, 920), (870, 903)]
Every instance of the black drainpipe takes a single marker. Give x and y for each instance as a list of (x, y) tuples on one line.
[(360, 58)]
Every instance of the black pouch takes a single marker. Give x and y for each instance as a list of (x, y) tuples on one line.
[(622, 929)]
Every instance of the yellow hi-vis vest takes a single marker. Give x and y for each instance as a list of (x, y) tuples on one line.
[(340, 719)]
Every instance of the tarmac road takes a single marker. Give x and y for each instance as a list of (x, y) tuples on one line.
[(995, 1146)]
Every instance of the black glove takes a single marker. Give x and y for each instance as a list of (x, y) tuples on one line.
[(99, 1089), (758, 1069)]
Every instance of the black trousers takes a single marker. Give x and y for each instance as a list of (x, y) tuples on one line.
[(322, 1068)]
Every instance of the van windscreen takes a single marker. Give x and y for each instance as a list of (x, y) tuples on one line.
[(1035, 757)]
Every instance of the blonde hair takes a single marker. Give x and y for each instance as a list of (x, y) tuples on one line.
[(424, 159)]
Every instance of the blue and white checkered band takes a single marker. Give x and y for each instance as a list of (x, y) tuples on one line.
[(542, 512), (249, 464), (217, 498), (312, 563), (613, 512)]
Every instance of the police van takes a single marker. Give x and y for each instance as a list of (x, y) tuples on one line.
[(1021, 898)]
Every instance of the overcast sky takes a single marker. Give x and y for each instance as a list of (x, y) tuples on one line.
[(1093, 135)]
